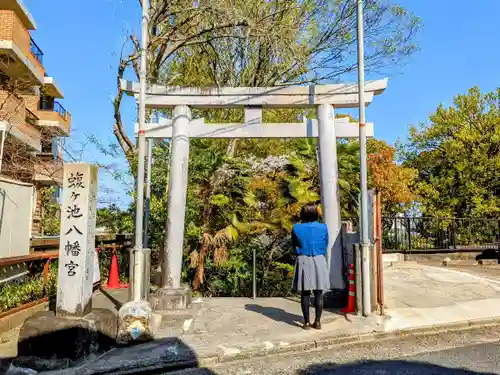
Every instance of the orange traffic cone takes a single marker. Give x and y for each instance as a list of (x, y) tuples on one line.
[(114, 277), (351, 300)]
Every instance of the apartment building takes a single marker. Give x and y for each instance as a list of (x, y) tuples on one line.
[(31, 113)]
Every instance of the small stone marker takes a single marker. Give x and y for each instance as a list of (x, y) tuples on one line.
[(77, 240)]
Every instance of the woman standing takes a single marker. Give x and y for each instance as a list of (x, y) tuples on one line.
[(310, 241)]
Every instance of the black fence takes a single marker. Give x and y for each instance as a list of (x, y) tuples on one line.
[(434, 234), (60, 109), (36, 51)]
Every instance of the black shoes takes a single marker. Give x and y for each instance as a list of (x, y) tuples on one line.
[(315, 325)]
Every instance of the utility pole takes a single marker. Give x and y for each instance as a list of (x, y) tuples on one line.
[(141, 154), (365, 242)]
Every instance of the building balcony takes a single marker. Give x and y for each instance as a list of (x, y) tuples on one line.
[(20, 57), (19, 122), (48, 170), (27, 131), (51, 88), (54, 116)]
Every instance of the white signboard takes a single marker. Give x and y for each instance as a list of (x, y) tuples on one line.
[(77, 240)]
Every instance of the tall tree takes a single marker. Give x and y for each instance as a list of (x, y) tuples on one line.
[(457, 155), (249, 43), (263, 43)]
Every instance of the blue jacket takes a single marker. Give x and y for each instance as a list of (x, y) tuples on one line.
[(310, 238)]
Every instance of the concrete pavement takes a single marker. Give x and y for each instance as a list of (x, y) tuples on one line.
[(419, 299), (418, 295)]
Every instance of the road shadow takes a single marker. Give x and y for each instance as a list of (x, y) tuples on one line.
[(396, 367), (489, 254), (277, 314)]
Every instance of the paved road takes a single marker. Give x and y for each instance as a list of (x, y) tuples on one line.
[(468, 360), (473, 352)]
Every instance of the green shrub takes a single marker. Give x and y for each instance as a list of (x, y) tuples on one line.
[(29, 289)]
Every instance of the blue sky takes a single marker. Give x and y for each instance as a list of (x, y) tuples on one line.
[(82, 40)]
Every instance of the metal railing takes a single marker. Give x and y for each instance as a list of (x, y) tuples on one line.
[(36, 51), (436, 234), (60, 109), (54, 106)]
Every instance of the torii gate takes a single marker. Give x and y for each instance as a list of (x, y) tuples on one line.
[(182, 127)]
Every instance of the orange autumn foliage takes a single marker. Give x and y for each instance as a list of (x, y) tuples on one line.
[(392, 180)]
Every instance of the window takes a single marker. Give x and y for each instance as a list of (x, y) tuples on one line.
[(57, 195), (55, 147), (46, 103)]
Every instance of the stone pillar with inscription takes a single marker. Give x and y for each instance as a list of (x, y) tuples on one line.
[(48, 340), (77, 240)]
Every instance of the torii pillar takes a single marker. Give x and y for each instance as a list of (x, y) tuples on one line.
[(330, 197)]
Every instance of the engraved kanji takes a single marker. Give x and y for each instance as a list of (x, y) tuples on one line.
[(75, 180), (73, 212), (73, 248), (71, 266), (75, 229)]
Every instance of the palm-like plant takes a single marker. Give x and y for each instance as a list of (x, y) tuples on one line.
[(214, 245)]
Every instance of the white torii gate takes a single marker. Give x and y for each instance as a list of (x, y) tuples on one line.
[(182, 127)]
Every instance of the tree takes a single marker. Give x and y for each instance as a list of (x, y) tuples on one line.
[(114, 219), (50, 215), (395, 182), (457, 155), (248, 43), (262, 43)]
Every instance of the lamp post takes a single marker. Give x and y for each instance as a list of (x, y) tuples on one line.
[(365, 242)]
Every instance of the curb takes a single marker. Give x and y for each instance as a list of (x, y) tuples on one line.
[(351, 339), (141, 363)]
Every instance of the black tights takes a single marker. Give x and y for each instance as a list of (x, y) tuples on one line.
[(318, 304)]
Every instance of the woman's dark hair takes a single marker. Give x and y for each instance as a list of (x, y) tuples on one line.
[(309, 213)]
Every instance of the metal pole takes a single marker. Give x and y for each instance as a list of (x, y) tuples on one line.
[(254, 277), (365, 244), (148, 194), (141, 154)]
